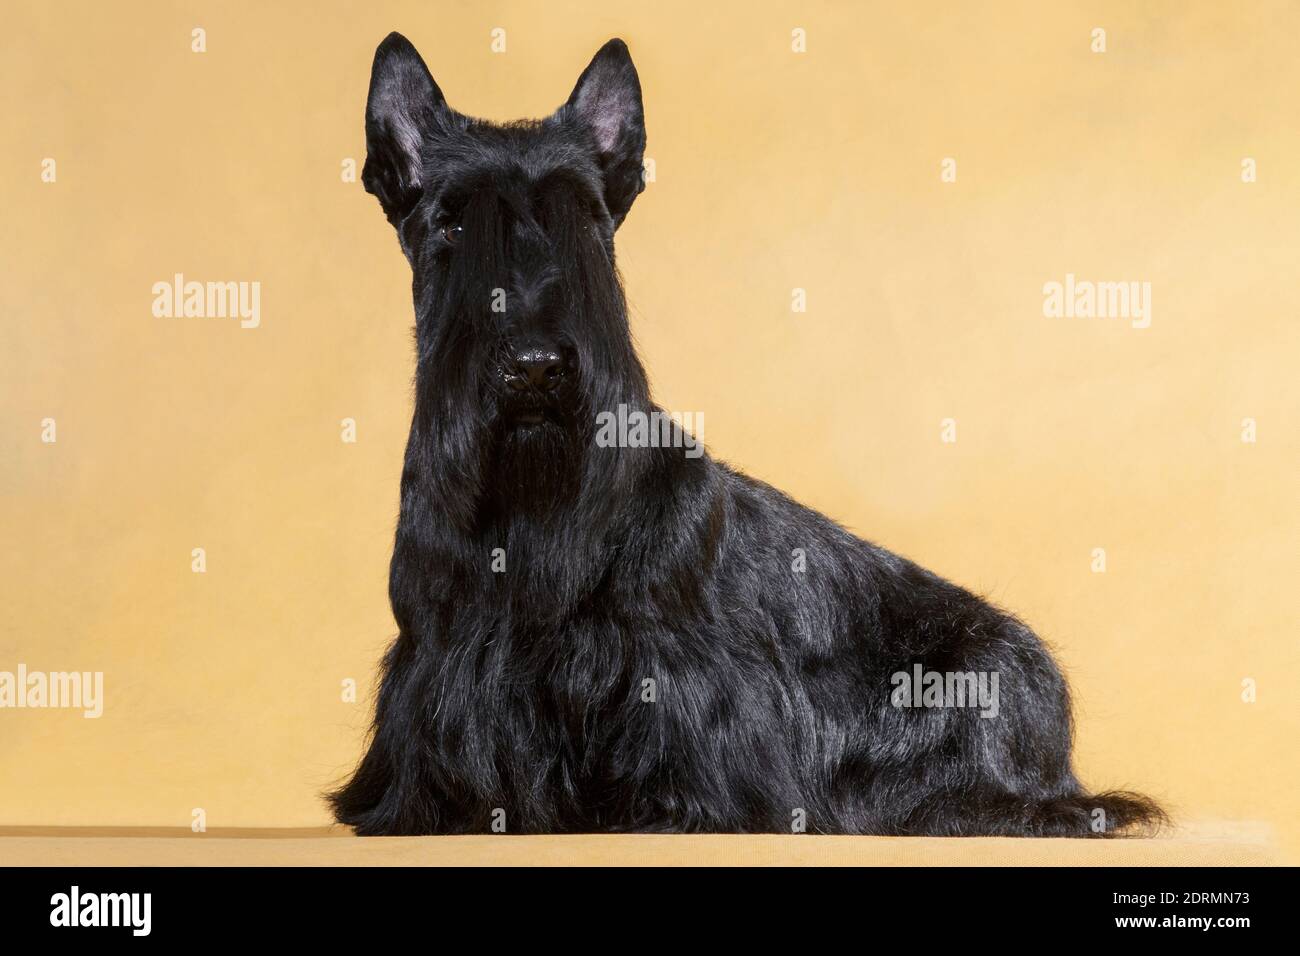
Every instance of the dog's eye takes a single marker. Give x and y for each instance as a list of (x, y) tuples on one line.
[(452, 233)]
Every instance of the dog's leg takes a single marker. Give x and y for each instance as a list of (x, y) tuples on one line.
[(394, 790), (998, 770)]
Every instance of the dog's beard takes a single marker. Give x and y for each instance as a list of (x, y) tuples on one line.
[(535, 468)]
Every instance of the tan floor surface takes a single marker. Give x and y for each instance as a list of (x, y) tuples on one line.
[(1204, 844)]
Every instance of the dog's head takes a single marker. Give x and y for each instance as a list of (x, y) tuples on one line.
[(509, 228)]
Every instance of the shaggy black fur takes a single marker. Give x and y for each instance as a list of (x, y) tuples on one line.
[(649, 656)]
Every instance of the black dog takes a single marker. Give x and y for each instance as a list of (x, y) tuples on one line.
[(604, 638)]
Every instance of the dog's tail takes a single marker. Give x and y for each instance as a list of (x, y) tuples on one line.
[(1112, 813)]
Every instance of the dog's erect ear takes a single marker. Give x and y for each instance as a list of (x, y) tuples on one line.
[(401, 111), (607, 100)]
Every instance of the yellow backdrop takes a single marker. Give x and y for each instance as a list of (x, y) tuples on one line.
[(781, 162)]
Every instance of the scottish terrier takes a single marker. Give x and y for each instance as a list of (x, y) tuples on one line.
[(642, 639)]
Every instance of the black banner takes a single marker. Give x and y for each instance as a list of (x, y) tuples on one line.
[(334, 905)]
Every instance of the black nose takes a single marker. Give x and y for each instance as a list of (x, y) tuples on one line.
[(539, 368)]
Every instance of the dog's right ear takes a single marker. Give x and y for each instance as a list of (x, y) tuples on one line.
[(401, 111), (607, 101)]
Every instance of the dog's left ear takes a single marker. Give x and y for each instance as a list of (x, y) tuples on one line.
[(402, 110), (607, 102)]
